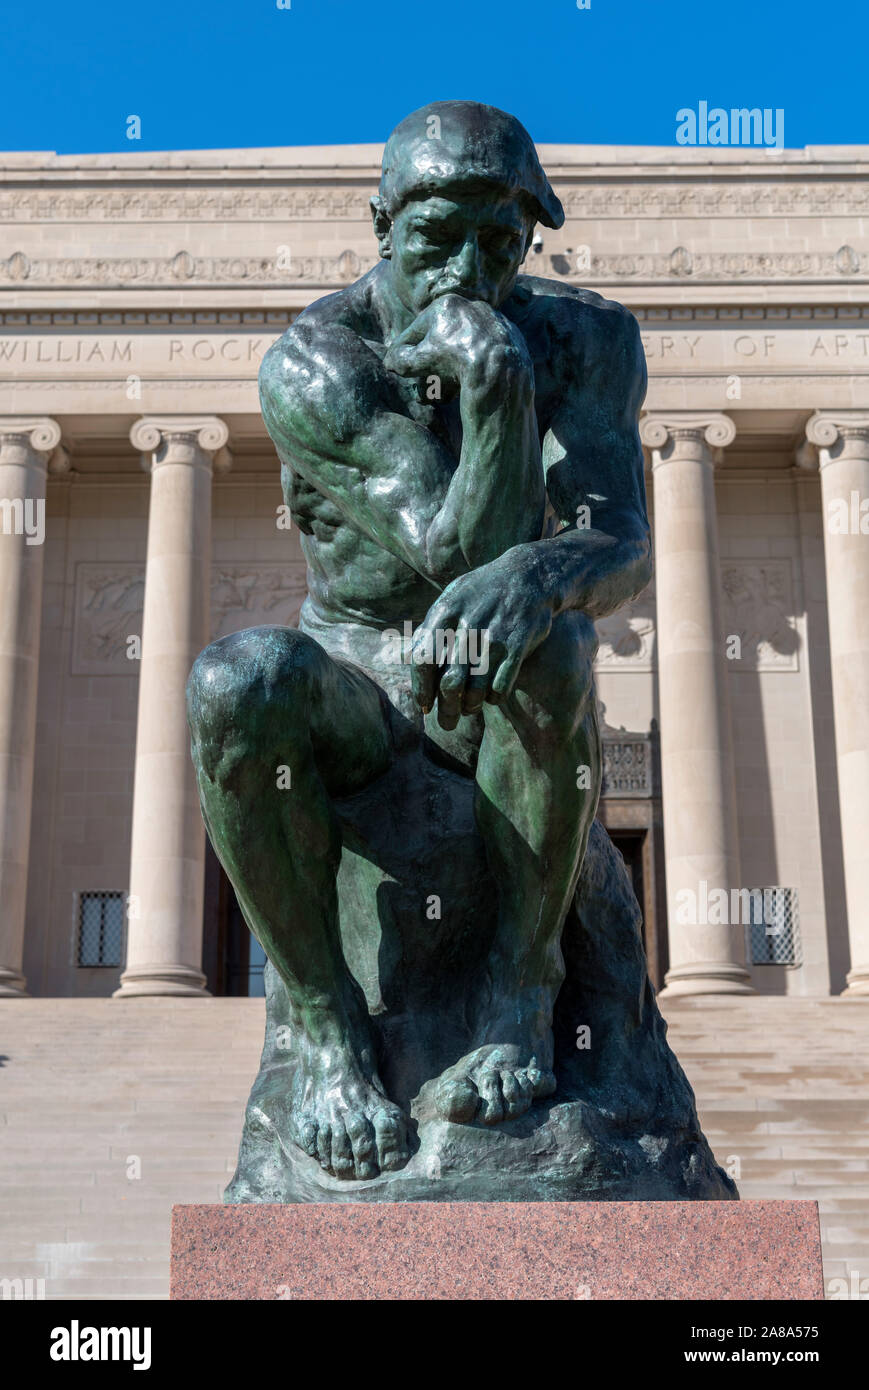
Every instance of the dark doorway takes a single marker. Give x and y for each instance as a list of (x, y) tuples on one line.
[(635, 847), (629, 843), (232, 958)]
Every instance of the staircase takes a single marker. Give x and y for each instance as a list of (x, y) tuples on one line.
[(113, 1110), (782, 1085)]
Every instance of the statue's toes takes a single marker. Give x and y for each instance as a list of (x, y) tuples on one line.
[(308, 1136), (324, 1147), (391, 1138), (457, 1099), (342, 1164), (360, 1131), (518, 1093), (542, 1082), (491, 1097)]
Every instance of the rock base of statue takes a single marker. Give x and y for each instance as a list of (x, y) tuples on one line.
[(499, 1250), (622, 1124)]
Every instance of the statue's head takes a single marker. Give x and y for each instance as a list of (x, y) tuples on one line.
[(460, 193)]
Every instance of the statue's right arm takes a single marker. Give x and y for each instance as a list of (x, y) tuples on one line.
[(335, 415), (330, 408)]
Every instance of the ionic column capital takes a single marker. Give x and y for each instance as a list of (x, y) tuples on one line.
[(181, 438), (38, 436), (838, 432), (673, 430)]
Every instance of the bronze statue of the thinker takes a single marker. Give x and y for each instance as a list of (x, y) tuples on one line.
[(458, 1003)]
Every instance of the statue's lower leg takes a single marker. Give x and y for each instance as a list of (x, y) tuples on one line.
[(538, 780), (274, 829)]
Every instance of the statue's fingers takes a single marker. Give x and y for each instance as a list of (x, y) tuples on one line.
[(403, 360), (423, 677), (452, 688), (475, 692), (426, 672), (405, 352), (416, 331), (504, 679)]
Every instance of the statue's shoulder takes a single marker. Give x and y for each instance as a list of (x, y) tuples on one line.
[(590, 329), (571, 306), (322, 369), (325, 336)]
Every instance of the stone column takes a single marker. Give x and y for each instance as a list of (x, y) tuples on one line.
[(167, 857), (701, 844), (25, 448), (842, 440)]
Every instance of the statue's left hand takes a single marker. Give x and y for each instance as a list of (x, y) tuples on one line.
[(504, 614)]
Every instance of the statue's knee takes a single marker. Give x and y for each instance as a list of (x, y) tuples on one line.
[(244, 689), (560, 673)]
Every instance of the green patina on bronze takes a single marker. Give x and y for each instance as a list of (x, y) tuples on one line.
[(442, 913)]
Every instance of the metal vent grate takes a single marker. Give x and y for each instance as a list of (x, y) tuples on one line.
[(772, 935), (100, 936)]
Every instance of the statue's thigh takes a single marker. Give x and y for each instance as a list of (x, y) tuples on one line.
[(561, 670), (553, 700), (273, 693), (350, 726)]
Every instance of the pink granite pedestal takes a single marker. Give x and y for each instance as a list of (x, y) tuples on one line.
[(498, 1250)]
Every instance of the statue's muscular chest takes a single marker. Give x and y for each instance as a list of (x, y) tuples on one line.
[(421, 400), (322, 519)]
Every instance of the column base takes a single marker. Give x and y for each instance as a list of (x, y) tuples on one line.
[(142, 980), (704, 978), (857, 986), (13, 984)]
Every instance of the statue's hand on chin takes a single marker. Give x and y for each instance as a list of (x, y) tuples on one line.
[(463, 342), (499, 615)]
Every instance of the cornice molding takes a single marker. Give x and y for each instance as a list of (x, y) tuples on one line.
[(696, 267), (213, 319), (589, 193), (749, 313), (152, 272), (216, 320), (679, 266)]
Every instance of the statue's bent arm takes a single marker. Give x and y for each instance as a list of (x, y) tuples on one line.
[(333, 411), (593, 464)]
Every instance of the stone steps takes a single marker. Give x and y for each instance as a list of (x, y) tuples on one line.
[(781, 1084)]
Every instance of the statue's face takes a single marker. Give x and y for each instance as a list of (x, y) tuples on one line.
[(472, 245)]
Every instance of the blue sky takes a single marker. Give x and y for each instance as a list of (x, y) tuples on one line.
[(221, 73)]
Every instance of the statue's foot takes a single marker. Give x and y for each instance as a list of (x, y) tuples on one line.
[(495, 1082), (345, 1122)]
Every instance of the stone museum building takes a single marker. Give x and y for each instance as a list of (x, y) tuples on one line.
[(141, 516)]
